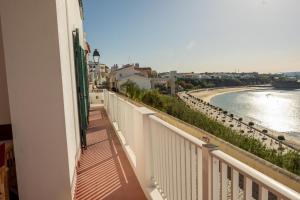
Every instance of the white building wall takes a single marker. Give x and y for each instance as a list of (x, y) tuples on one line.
[(124, 72), (37, 38), (69, 19), (142, 82)]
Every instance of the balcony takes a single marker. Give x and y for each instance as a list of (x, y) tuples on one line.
[(168, 162), (104, 171)]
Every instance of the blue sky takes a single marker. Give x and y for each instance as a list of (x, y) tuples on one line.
[(196, 35)]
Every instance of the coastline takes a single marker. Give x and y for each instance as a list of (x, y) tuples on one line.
[(207, 94)]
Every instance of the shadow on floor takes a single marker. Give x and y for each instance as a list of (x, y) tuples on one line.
[(104, 171)]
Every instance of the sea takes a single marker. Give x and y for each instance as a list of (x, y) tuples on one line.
[(277, 110)]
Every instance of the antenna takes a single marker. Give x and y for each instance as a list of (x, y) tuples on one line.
[(128, 60)]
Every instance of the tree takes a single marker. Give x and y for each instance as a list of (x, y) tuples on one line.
[(240, 121), (225, 113), (220, 111), (231, 116), (251, 124)]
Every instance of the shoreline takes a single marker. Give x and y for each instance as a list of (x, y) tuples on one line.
[(207, 94)]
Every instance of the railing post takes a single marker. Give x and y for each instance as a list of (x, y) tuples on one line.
[(143, 147), (207, 170)]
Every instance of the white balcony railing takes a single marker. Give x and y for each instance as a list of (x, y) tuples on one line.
[(171, 164)]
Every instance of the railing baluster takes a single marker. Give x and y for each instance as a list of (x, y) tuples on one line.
[(193, 172), (188, 169), (235, 184), (156, 148), (224, 181), (183, 168), (161, 153), (248, 188), (199, 173), (174, 166), (264, 193), (168, 164), (154, 154), (216, 179), (178, 167)]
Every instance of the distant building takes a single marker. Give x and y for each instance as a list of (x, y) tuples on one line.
[(141, 81), (165, 79), (114, 67), (98, 73), (139, 75)]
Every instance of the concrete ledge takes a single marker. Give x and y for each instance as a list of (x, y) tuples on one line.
[(154, 194), (121, 137), (130, 154), (128, 151), (96, 105), (116, 127)]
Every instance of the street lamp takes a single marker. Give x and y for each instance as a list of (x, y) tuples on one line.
[(96, 56)]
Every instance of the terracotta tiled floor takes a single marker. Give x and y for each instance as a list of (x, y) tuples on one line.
[(104, 171)]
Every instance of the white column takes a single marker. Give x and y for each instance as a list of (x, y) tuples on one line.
[(143, 148)]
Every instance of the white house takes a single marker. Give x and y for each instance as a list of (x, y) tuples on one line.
[(141, 81), (129, 72)]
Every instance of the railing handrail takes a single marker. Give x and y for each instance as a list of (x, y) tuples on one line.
[(192, 149), (178, 131), (256, 175)]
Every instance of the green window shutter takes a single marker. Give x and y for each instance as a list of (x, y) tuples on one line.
[(82, 87)]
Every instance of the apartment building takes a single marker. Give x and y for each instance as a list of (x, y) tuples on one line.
[(42, 60)]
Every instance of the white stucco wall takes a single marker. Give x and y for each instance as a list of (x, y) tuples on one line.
[(124, 72), (96, 98), (4, 105), (42, 97), (69, 19), (142, 82)]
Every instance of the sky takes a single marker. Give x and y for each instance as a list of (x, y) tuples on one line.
[(196, 35)]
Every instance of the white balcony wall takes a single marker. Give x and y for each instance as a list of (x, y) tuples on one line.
[(96, 97), (39, 63), (171, 164)]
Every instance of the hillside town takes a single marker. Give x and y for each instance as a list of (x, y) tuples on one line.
[(102, 76)]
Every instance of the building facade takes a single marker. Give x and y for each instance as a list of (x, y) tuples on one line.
[(38, 93), (98, 73), (139, 75)]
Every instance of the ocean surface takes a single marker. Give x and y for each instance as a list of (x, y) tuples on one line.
[(277, 110)]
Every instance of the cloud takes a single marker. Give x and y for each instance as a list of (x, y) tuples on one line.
[(191, 44)]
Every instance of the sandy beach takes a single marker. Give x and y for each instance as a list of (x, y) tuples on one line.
[(208, 94)]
